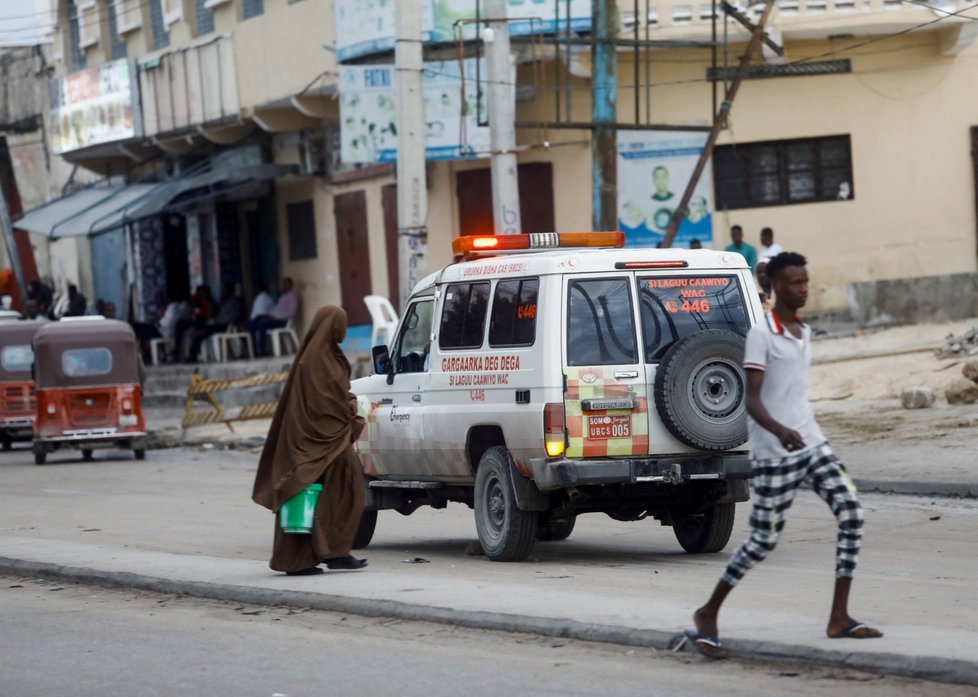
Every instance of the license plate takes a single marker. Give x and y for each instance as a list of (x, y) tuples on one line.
[(128, 420), (602, 427)]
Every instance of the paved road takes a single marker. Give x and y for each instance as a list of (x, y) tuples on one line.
[(184, 516), (65, 639)]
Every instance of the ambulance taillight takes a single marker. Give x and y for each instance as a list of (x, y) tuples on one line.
[(554, 434)]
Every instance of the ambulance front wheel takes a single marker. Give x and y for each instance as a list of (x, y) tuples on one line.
[(40, 458), (506, 532)]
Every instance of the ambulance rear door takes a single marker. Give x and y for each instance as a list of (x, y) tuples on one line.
[(606, 400)]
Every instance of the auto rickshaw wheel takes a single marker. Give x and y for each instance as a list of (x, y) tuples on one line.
[(140, 453), (40, 458), (87, 454)]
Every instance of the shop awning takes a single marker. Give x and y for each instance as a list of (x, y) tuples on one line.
[(101, 208), (43, 219)]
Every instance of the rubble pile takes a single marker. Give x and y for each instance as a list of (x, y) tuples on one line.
[(957, 346)]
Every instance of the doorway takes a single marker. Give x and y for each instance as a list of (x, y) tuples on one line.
[(474, 193), (350, 212)]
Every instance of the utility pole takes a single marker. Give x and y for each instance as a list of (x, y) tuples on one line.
[(502, 117), (757, 38), (604, 88), (412, 185), (11, 245)]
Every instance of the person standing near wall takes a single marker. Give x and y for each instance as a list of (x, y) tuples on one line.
[(738, 245), (311, 441)]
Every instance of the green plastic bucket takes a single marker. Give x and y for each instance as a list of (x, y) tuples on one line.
[(296, 514)]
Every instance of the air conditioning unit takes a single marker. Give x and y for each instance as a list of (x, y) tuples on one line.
[(313, 153)]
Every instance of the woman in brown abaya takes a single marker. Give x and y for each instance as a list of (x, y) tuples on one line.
[(311, 440)]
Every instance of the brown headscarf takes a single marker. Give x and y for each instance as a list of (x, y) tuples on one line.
[(314, 422)]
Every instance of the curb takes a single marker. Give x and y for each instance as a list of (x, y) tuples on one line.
[(921, 668)]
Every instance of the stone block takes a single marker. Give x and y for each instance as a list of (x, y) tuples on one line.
[(962, 391), (918, 397), (970, 369)]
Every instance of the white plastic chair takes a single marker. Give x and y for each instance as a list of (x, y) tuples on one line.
[(156, 346), (276, 336), (384, 318), (221, 343)]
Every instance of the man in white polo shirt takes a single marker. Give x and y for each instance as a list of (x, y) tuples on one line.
[(787, 450)]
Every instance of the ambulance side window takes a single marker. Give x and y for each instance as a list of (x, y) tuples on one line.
[(514, 313), (600, 323), (463, 316)]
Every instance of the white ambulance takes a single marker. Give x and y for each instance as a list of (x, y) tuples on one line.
[(547, 375)]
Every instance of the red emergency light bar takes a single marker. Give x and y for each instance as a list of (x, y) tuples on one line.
[(475, 244), (651, 264)]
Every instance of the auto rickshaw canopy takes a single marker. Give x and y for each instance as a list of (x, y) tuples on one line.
[(15, 348), (85, 352)]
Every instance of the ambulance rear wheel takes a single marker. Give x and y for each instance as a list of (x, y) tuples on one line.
[(707, 532), (7, 443), (140, 453), (87, 455), (506, 532), (550, 530), (40, 458), (365, 531)]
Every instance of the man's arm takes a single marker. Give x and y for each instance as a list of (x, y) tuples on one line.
[(790, 439)]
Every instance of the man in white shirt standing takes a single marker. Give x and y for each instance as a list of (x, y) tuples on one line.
[(769, 248), (787, 450)]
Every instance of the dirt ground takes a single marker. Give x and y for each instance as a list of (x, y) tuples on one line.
[(855, 386)]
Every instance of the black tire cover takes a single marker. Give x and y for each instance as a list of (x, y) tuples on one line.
[(701, 392)]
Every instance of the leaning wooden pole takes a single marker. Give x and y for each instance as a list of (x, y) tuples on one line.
[(719, 123)]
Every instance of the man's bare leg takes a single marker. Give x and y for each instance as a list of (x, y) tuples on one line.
[(840, 620), (705, 618)]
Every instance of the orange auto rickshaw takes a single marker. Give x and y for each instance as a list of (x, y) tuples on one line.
[(18, 402), (88, 373)]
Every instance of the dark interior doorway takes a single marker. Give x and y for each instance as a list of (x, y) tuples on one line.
[(350, 211), (474, 192)]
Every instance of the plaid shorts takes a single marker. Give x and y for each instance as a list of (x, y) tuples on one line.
[(774, 486)]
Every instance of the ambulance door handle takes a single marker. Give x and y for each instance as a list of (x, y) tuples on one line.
[(621, 374), (416, 398)]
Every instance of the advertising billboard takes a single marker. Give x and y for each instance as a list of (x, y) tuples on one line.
[(654, 168), (368, 112), (366, 27), (95, 105)]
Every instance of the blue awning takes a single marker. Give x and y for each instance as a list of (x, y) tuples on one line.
[(98, 209)]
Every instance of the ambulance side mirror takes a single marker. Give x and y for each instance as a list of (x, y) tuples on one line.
[(382, 359)]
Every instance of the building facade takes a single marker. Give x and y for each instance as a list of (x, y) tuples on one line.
[(856, 147)]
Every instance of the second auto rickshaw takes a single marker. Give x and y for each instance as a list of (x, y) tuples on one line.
[(18, 402), (88, 388)]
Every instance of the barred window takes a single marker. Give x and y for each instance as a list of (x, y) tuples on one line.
[(783, 172)]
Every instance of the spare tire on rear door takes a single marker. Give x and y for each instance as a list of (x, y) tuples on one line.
[(700, 390)]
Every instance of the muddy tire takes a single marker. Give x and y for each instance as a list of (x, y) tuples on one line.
[(506, 532), (707, 532), (365, 531), (549, 530), (701, 391)]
